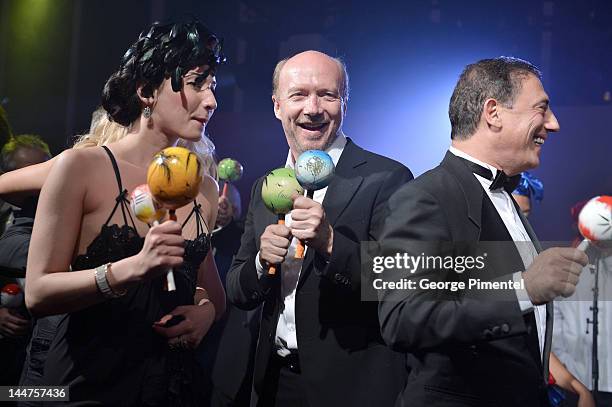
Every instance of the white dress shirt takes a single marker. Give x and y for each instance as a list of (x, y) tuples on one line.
[(573, 336), (506, 210), (286, 337)]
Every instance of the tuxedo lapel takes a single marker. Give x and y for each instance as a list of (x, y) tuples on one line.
[(548, 338), (549, 306), (527, 225), (345, 183), (472, 190)]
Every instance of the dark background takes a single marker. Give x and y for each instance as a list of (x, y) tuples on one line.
[(403, 59)]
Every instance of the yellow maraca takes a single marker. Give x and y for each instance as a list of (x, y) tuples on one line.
[(174, 177)]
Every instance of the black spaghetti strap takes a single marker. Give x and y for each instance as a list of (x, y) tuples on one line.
[(199, 219), (115, 168), (121, 199)]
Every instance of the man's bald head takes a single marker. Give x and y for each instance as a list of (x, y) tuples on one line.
[(298, 58), (310, 94)]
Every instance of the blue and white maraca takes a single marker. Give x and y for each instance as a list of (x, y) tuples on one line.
[(314, 169)]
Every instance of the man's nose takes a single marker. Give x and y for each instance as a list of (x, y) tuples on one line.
[(552, 124), (313, 105)]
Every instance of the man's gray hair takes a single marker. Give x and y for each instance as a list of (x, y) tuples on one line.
[(498, 78)]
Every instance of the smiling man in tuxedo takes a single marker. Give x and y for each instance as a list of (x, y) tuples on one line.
[(487, 348), (319, 344)]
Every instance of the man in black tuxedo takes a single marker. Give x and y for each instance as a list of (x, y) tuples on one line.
[(319, 344), (479, 347)]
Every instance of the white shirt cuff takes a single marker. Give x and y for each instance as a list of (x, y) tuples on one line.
[(258, 267), (525, 303)]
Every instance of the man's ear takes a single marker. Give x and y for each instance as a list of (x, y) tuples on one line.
[(276, 107), (491, 113)]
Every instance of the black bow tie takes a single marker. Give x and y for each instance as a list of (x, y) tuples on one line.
[(501, 180)]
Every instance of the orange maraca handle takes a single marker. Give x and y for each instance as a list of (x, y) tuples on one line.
[(225, 189), (281, 221), (301, 248)]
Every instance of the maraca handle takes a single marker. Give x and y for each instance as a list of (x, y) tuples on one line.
[(172, 214), (281, 221), (170, 284), (301, 248), (226, 189), (583, 245)]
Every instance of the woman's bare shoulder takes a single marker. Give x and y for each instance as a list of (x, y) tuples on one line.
[(209, 196), (77, 167), (209, 187), (81, 157)]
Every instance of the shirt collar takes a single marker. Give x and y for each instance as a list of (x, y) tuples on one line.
[(465, 155), (334, 150)]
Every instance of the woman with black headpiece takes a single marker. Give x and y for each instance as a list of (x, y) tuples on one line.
[(124, 340)]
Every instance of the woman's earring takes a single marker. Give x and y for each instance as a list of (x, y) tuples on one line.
[(146, 112)]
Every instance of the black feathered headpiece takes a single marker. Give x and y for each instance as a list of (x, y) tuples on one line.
[(170, 50)]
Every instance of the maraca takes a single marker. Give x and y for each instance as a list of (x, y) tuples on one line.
[(174, 177), (11, 296), (314, 170), (277, 191), (230, 170), (148, 211), (595, 221), (144, 206)]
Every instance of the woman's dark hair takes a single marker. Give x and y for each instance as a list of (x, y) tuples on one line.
[(165, 51)]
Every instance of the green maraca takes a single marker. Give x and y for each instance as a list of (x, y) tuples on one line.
[(278, 189), (230, 170)]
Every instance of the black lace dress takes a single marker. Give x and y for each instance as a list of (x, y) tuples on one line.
[(108, 353)]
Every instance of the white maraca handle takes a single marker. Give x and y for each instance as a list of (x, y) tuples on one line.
[(146, 210), (170, 284)]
